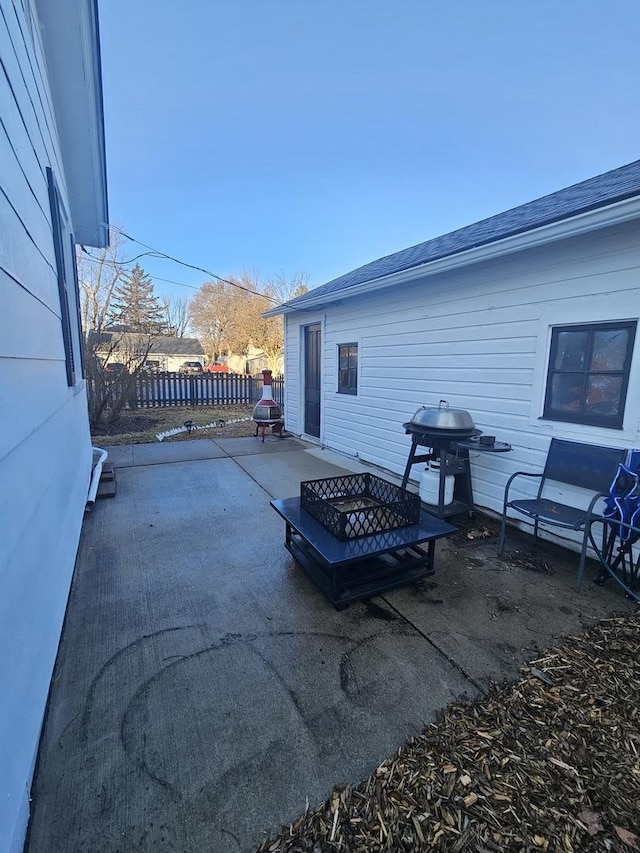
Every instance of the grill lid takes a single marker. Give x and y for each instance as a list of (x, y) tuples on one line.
[(442, 418)]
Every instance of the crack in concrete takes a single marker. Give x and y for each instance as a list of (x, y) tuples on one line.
[(447, 657)]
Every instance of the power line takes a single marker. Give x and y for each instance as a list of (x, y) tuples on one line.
[(158, 254), (116, 266)]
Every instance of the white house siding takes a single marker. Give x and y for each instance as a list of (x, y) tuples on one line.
[(45, 448), (479, 338)]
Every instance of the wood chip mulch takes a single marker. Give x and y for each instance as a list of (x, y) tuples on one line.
[(550, 763)]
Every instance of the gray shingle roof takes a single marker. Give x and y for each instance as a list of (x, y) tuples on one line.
[(162, 345), (603, 190), (177, 346)]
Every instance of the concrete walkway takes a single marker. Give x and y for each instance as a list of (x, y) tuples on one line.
[(205, 690)]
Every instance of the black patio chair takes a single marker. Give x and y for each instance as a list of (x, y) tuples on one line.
[(587, 466)]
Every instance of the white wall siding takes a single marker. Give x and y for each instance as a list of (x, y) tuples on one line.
[(45, 448), (478, 338)]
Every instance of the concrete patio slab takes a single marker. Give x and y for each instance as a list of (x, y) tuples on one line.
[(162, 452), (204, 686), (281, 475), (121, 457), (254, 445)]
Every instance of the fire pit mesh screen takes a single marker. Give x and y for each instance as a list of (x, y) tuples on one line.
[(358, 505)]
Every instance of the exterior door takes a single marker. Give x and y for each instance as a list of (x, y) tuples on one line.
[(312, 350)]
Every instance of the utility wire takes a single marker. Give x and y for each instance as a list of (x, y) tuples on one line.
[(158, 254), (117, 266)]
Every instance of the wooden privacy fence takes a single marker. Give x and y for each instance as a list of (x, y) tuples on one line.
[(204, 389)]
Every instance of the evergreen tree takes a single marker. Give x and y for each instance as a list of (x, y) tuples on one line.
[(134, 305)]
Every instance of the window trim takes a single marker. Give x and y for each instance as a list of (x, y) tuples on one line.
[(581, 417), (350, 390), (55, 204), (76, 285)]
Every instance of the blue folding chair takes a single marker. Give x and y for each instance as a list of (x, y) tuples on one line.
[(621, 520)]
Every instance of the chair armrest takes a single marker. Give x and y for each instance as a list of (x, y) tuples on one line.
[(512, 478), (594, 501)]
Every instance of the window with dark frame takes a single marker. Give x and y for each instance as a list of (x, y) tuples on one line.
[(78, 314), (63, 276), (347, 368), (589, 373)]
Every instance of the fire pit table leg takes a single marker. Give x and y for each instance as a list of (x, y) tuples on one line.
[(362, 567), (431, 553)]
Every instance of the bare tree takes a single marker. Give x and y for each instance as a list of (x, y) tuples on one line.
[(98, 276), (219, 313), (110, 390), (267, 333), (227, 316), (176, 314)]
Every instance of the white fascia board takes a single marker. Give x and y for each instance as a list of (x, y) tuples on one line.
[(71, 40), (593, 220)]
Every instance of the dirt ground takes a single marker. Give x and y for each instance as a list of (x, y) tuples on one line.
[(142, 427)]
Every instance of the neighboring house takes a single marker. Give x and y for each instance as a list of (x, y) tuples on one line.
[(164, 352), (52, 196), (527, 319), (254, 362)]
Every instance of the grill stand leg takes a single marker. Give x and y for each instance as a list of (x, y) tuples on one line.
[(462, 486), (442, 482), (414, 459)]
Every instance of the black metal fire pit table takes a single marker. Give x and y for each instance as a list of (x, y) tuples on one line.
[(360, 568)]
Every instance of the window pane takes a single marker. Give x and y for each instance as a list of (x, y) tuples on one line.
[(589, 373), (353, 358), (603, 395), (609, 349), (572, 350), (566, 393), (344, 358)]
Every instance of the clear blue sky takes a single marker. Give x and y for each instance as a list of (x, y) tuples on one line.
[(317, 135)]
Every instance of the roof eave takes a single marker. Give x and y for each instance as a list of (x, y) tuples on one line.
[(593, 220), (71, 41)]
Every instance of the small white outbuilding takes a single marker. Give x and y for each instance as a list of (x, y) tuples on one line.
[(527, 320)]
